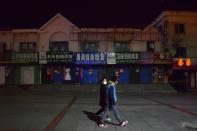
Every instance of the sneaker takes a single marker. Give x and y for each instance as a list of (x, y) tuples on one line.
[(123, 123), (108, 119), (102, 125)]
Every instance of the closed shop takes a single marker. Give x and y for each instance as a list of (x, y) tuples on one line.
[(10, 74), (27, 74), (2, 76), (135, 74), (90, 75), (90, 66), (146, 75), (123, 74)]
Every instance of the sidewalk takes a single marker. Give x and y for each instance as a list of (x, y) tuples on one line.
[(60, 109), (133, 88)]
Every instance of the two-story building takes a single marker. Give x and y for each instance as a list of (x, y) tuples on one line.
[(130, 54), (60, 52), (178, 31), (29, 54)]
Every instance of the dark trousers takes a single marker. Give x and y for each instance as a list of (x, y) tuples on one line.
[(100, 110)]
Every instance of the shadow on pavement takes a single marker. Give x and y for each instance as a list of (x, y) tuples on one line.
[(112, 123), (91, 116)]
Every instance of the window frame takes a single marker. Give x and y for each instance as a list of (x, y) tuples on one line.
[(28, 49), (149, 49), (122, 49), (87, 46), (180, 28), (59, 45)]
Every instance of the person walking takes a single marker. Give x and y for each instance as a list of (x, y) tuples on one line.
[(102, 99), (111, 104)]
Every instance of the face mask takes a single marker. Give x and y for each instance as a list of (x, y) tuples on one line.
[(104, 82)]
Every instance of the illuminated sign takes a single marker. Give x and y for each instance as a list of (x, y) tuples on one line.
[(90, 58), (188, 62), (181, 62), (184, 63)]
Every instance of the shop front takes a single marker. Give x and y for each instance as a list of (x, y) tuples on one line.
[(2, 76), (58, 67), (146, 67), (27, 71), (161, 68), (125, 64), (91, 66), (5, 60), (184, 73)]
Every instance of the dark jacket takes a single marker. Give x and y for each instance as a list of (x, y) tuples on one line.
[(102, 101)]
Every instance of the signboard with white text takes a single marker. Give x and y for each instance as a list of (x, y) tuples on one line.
[(59, 57), (127, 57), (90, 58)]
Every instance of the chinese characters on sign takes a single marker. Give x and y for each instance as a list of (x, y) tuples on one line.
[(111, 58), (181, 62), (59, 57), (146, 57), (131, 57), (25, 57), (184, 63), (90, 58)]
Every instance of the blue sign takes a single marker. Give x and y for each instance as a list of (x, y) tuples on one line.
[(90, 58)]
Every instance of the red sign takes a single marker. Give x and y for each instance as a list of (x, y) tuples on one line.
[(184, 63)]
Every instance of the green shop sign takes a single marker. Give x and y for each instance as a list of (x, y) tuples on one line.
[(25, 57), (127, 57), (59, 57)]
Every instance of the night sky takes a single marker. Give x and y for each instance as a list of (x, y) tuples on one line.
[(87, 13)]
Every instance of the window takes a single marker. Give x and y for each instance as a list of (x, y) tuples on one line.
[(90, 47), (27, 46), (121, 47), (58, 46), (181, 52), (151, 46), (179, 28), (160, 29)]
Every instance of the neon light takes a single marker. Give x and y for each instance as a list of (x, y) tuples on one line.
[(188, 62), (180, 62)]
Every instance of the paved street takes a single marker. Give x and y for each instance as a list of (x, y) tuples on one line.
[(64, 109)]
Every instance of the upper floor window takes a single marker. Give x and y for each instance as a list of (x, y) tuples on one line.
[(58, 46), (151, 46), (90, 47), (121, 47), (27, 46), (160, 29), (179, 28), (181, 52)]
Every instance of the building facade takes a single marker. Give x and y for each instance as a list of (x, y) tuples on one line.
[(178, 31), (60, 52)]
